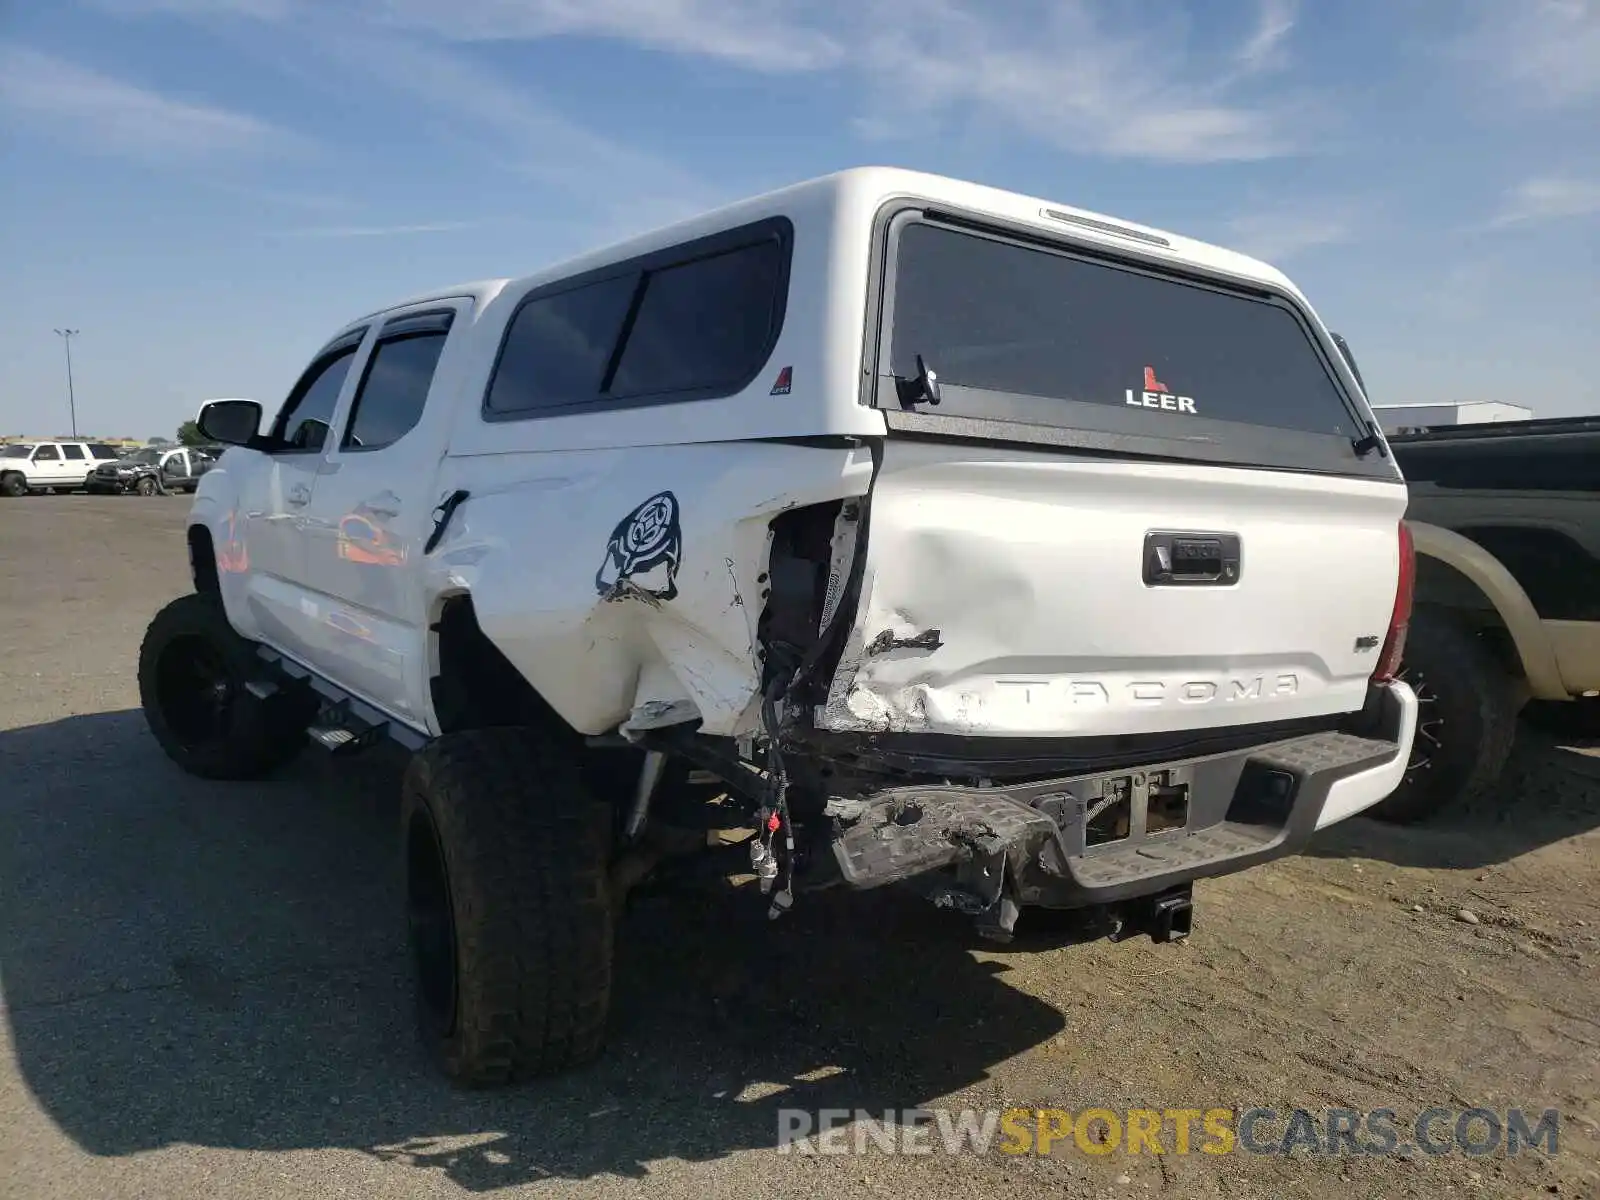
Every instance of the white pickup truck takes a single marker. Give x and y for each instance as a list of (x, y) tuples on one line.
[(50, 466), (960, 540)]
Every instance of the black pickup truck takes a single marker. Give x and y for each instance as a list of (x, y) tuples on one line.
[(1505, 519)]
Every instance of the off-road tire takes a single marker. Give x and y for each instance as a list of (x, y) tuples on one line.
[(1466, 720), (248, 737), (498, 820), (146, 486), (12, 484)]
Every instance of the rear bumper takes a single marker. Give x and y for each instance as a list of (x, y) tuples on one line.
[(1397, 722), (1113, 836)]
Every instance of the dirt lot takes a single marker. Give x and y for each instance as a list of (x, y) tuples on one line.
[(205, 994)]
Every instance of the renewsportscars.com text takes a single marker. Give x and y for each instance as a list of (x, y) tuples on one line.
[(1102, 1131)]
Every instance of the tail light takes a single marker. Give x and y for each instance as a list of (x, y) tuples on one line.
[(1394, 644)]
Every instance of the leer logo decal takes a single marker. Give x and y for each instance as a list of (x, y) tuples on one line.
[(1158, 395)]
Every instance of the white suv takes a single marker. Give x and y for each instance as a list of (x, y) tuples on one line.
[(964, 541), (50, 466)]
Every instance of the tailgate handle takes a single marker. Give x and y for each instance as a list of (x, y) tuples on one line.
[(1191, 559)]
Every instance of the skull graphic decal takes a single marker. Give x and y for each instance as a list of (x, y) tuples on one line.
[(644, 552)]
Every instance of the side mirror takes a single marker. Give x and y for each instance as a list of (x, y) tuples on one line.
[(232, 422)]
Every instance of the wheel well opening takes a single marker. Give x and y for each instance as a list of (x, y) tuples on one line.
[(1445, 591), (203, 561), (1561, 578), (475, 686)]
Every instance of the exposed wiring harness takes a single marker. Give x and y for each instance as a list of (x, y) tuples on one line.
[(776, 817)]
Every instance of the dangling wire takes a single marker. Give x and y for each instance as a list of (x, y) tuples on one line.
[(783, 899)]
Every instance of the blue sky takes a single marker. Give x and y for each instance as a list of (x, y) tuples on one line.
[(207, 188)]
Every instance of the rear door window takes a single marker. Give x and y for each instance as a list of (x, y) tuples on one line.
[(73, 452), (395, 386), (1022, 333)]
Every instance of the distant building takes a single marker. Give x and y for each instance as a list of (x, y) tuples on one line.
[(7, 439), (1404, 418)]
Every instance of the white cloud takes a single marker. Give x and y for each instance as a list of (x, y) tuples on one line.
[(768, 35), (281, 197), (1117, 78), (1081, 77), (118, 117), (1267, 46), (1546, 52), (336, 45), (1549, 198), (1087, 75), (1277, 236), (513, 127), (366, 231), (262, 9)]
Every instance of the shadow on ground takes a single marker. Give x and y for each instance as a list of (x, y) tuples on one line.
[(1550, 792), (224, 965)]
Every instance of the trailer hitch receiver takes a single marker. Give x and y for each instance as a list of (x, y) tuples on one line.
[(1166, 916)]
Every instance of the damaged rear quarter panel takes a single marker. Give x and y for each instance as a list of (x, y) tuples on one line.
[(615, 578)]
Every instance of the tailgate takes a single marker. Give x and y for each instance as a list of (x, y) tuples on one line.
[(1011, 593)]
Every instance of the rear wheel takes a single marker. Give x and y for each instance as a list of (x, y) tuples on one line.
[(1466, 720), (508, 906), (193, 669)]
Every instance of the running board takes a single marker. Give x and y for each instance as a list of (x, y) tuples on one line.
[(334, 733), (346, 725)]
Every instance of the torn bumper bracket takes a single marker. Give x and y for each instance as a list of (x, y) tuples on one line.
[(910, 834), (1127, 842)]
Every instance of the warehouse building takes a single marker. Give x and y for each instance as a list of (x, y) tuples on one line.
[(1406, 418)]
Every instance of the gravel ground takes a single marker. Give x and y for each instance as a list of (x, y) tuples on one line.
[(205, 989)]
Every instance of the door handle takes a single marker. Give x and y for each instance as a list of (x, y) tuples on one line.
[(298, 494), (1191, 559)]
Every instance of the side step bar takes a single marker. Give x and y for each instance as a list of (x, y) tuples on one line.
[(345, 725)]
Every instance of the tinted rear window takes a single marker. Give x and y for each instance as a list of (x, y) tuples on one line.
[(1027, 328), (703, 324), (692, 322), (559, 346), (395, 389)]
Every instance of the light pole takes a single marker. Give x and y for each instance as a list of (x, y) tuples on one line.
[(72, 404)]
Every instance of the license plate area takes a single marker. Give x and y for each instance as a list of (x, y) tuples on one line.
[(1130, 806)]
